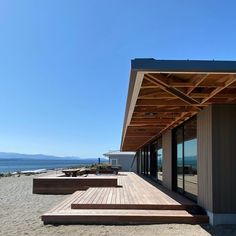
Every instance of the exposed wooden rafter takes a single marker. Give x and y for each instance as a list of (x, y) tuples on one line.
[(165, 100), (165, 86)]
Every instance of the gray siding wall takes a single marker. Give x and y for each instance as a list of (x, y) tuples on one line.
[(167, 159), (224, 158), (216, 134)]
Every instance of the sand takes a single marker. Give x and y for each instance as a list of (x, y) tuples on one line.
[(20, 212)]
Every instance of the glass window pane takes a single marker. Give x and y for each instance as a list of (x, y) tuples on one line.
[(160, 164), (142, 161), (179, 141), (146, 161), (149, 159), (190, 157), (153, 161)]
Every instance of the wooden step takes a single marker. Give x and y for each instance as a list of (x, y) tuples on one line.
[(129, 198), (131, 206), (115, 216)]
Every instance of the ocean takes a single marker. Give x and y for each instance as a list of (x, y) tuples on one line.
[(12, 165)]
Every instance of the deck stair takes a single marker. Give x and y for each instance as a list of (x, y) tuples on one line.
[(136, 202)]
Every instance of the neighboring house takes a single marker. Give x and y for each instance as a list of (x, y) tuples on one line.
[(180, 119), (124, 160)]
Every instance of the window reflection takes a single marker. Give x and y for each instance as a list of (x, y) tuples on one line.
[(159, 164), (142, 161), (179, 139), (152, 164), (149, 160), (190, 157), (186, 155), (159, 154)]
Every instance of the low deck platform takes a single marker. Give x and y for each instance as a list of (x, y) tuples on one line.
[(60, 184), (136, 201)]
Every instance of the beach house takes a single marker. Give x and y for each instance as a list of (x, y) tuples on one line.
[(180, 126), (180, 119)]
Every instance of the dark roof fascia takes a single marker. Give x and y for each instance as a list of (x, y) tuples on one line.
[(183, 66)]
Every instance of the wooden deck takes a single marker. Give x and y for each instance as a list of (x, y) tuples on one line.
[(135, 201), (134, 193)]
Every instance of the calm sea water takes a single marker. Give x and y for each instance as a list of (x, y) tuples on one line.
[(12, 165)]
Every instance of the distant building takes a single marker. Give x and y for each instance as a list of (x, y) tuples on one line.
[(124, 160)]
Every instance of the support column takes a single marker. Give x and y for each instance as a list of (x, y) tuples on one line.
[(167, 159)]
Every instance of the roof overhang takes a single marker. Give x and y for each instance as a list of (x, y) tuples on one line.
[(164, 93)]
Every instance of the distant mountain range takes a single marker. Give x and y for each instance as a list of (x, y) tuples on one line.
[(9, 155)]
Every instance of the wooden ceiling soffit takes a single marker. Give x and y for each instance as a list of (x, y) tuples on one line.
[(166, 100), (178, 120)]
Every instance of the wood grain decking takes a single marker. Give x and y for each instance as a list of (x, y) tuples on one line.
[(135, 202), (134, 193)]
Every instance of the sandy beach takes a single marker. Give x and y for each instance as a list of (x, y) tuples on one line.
[(20, 213)]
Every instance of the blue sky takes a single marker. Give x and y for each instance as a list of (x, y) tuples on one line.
[(64, 65)]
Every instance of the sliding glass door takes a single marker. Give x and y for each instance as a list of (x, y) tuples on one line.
[(185, 158), (156, 160), (153, 159)]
